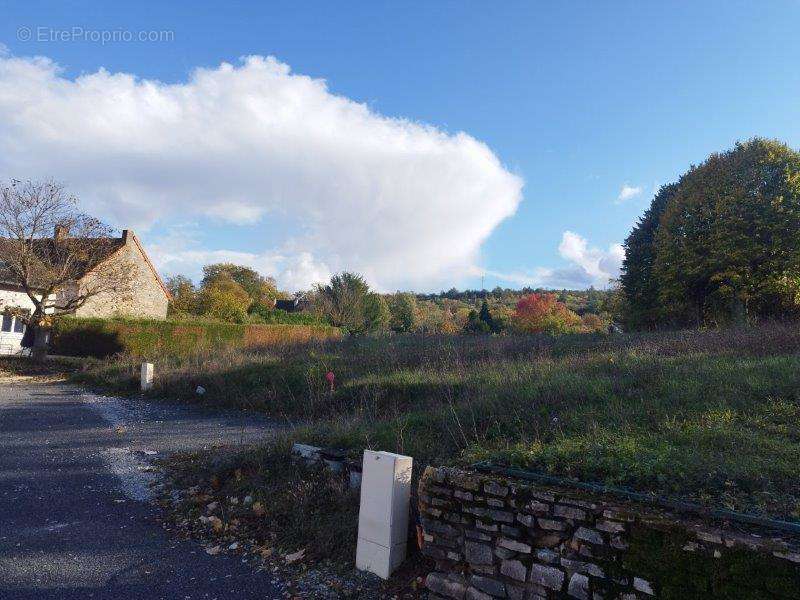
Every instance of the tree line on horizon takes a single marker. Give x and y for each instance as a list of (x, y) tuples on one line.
[(236, 293)]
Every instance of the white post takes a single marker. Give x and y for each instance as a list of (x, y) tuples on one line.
[(383, 514), (147, 376)]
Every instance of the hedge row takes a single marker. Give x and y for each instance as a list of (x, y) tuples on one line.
[(151, 339)]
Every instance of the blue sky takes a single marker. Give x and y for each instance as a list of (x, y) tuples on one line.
[(577, 99)]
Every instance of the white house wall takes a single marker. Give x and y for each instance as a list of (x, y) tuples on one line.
[(11, 341)]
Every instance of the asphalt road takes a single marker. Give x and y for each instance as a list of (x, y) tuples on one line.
[(75, 516)]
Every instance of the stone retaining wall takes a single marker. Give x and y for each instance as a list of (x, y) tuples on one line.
[(497, 538)]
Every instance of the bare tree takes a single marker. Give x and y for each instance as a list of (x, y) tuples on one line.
[(59, 256)]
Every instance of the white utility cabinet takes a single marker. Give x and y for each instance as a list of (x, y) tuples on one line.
[(383, 514)]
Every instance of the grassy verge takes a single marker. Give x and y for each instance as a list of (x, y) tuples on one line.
[(54, 368), (711, 416)]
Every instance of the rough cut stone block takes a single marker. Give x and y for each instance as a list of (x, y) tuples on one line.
[(477, 535), (501, 516), (547, 556), (479, 554), (514, 569), (475, 510), (610, 526), (510, 531), (545, 496), (449, 586), (514, 545), (488, 586), (483, 569), (495, 503), (463, 495), (618, 543), (516, 593), (617, 514), (495, 489), (790, 556), (504, 552), (582, 567), (569, 512), (434, 552), (438, 489), (486, 526), (582, 503), (473, 594), (708, 536), (526, 520), (589, 535), (551, 524), (432, 474), (643, 586), (578, 587), (550, 540), (549, 577), (538, 508), (465, 480)]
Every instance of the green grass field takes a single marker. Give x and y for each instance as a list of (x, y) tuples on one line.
[(708, 416)]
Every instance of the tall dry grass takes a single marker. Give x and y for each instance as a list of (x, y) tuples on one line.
[(711, 415)]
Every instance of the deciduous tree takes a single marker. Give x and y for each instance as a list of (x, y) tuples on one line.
[(261, 289), (403, 307), (184, 294), (722, 244), (543, 313)]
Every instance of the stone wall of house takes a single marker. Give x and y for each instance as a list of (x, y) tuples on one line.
[(499, 538), (144, 298)]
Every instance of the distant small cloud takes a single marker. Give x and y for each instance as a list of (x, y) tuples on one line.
[(628, 192), (586, 265)]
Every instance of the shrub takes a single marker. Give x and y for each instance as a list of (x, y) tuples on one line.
[(224, 299), (261, 313), (151, 339)]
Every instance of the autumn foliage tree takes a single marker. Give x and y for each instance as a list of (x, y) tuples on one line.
[(543, 313)]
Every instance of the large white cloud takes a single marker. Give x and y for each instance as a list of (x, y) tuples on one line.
[(402, 202)]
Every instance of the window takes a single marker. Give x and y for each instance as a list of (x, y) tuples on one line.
[(19, 325), (7, 319)]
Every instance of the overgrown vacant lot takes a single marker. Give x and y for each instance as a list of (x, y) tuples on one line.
[(711, 416)]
